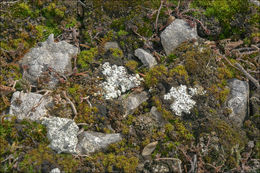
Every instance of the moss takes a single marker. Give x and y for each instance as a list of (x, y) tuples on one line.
[(116, 53), (86, 57), (228, 135), (179, 72), (122, 33), (23, 10), (131, 65), (153, 75), (226, 12), (224, 73)]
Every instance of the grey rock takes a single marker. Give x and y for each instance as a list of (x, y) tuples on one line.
[(133, 101), (176, 33), (29, 105), (238, 100), (55, 170), (48, 55), (254, 103), (90, 142), (109, 45), (62, 133), (256, 2), (146, 58), (157, 115)]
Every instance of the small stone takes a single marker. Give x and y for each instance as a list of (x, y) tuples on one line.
[(62, 133), (146, 58), (176, 33), (134, 100), (29, 105), (111, 45), (157, 115), (90, 142)]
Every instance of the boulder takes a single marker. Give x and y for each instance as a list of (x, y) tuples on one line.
[(146, 58), (62, 134), (176, 33), (90, 142), (29, 105), (48, 59), (238, 100)]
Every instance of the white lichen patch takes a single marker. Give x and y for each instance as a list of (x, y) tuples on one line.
[(182, 101), (118, 81)]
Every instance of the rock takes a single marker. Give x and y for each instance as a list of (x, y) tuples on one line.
[(134, 100), (146, 58), (62, 133), (118, 80), (254, 103), (256, 2), (90, 142), (148, 149), (55, 170), (29, 105), (157, 115), (238, 100), (176, 33), (111, 45), (48, 57)]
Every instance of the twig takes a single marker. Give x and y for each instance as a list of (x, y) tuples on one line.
[(157, 16), (84, 5), (71, 103), (248, 75)]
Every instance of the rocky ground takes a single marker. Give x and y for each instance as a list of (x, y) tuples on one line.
[(129, 86)]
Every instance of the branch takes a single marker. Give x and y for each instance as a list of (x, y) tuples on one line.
[(248, 75), (157, 17), (71, 103)]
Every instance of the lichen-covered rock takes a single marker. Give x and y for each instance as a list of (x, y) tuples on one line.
[(62, 133), (182, 99), (118, 80), (146, 58), (134, 100), (29, 105), (176, 33), (49, 57), (238, 100), (90, 142)]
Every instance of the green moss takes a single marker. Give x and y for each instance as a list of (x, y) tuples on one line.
[(23, 10), (122, 33), (179, 72), (86, 57), (131, 65), (226, 12), (153, 75), (116, 53)]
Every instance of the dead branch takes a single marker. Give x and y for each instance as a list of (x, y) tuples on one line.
[(248, 75), (157, 16), (71, 103)]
